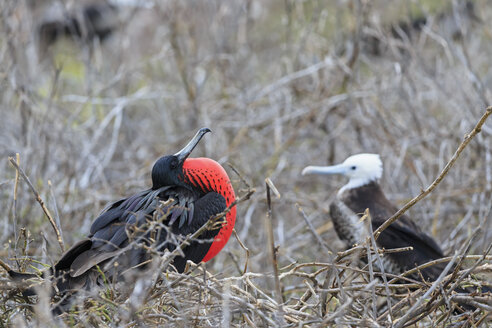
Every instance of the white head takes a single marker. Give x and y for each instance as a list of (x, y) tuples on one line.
[(360, 169)]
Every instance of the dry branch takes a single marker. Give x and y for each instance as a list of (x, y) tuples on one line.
[(40, 201), (271, 245), (468, 137)]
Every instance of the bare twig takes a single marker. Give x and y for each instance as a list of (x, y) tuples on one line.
[(271, 244), (380, 263), (245, 249), (41, 203), (57, 214), (16, 188), (320, 241), (243, 180), (410, 313), (468, 137), (5, 266)]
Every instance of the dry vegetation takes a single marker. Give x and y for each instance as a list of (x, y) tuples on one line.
[(281, 85)]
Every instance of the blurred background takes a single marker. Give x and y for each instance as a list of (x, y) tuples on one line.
[(93, 92)]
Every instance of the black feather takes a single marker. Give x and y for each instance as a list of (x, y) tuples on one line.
[(402, 233)]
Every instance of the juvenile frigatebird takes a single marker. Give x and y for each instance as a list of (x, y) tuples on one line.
[(185, 194), (363, 192)]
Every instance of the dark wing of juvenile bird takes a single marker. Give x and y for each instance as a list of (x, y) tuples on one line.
[(402, 233)]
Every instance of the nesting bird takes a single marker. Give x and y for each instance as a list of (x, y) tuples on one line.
[(364, 192), (185, 194)]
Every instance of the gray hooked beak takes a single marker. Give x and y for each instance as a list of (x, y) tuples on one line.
[(186, 151), (335, 169)]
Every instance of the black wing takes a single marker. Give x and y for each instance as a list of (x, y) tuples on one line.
[(402, 233), (127, 219), (205, 207)]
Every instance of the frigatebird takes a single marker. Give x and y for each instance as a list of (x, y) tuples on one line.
[(187, 192), (364, 192), (84, 21)]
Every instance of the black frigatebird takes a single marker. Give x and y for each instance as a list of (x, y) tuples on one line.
[(84, 21), (189, 191)]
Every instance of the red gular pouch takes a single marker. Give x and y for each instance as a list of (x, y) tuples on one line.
[(209, 176)]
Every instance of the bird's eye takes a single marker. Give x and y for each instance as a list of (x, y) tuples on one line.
[(174, 163), (353, 168)]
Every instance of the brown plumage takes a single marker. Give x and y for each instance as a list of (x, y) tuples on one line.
[(402, 233), (363, 192)]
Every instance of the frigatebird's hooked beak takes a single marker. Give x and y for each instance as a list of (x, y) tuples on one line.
[(361, 169), (186, 151), (335, 169)]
